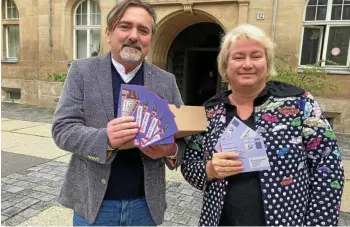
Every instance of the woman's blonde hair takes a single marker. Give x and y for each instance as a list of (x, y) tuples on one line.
[(246, 31)]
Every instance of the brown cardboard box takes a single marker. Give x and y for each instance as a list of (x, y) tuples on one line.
[(190, 120)]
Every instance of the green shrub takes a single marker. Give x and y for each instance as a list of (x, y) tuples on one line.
[(312, 78), (58, 76)]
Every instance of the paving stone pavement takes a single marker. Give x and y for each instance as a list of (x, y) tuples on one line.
[(27, 193), (26, 112)]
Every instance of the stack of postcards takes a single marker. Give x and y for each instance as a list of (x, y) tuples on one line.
[(152, 114), (238, 137)]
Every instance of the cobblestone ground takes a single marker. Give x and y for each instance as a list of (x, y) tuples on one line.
[(27, 193), (26, 112)]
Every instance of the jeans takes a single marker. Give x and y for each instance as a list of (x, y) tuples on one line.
[(119, 213)]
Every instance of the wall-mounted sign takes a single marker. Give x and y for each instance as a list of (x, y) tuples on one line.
[(260, 15)]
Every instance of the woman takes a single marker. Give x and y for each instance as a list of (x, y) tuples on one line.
[(305, 182)]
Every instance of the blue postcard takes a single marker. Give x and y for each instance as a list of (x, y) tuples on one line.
[(240, 138)]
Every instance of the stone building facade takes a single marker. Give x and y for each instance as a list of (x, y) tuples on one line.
[(45, 35)]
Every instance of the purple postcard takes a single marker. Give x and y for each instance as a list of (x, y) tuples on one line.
[(156, 115), (152, 114), (129, 99), (141, 107), (147, 109), (165, 128), (153, 135)]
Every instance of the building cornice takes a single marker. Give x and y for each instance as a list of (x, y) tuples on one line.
[(189, 2), (243, 2)]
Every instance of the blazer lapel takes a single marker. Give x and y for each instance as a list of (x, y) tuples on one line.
[(103, 75), (148, 73)]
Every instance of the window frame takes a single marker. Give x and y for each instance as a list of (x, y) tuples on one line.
[(327, 24), (7, 27), (87, 28), (6, 16), (6, 24), (322, 31)]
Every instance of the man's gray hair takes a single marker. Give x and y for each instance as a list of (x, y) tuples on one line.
[(118, 10)]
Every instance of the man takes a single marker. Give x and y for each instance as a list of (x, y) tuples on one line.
[(105, 185)]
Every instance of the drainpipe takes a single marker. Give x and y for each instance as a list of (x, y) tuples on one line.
[(50, 27), (274, 20)]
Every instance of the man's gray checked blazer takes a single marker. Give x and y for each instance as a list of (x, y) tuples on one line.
[(79, 126)]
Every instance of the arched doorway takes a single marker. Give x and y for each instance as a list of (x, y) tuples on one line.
[(192, 59)]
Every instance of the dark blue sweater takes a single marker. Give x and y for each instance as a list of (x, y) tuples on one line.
[(126, 180)]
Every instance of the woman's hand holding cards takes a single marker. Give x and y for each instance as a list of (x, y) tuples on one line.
[(223, 164)]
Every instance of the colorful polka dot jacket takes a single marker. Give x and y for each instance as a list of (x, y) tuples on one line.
[(305, 183)]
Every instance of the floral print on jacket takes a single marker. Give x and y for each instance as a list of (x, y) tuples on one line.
[(305, 183)]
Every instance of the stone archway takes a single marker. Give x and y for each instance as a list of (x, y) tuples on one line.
[(191, 39), (169, 27)]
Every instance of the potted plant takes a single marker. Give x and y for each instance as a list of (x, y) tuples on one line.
[(59, 77), (312, 78)]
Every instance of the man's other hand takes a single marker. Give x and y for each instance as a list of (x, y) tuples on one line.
[(159, 150), (121, 130)]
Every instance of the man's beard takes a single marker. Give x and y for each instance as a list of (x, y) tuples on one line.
[(131, 52)]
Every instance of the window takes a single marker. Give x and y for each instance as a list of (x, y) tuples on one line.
[(87, 29), (11, 10), (11, 94), (326, 34), (330, 121), (11, 30)]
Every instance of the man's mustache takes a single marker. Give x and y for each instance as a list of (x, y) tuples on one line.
[(132, 45)]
